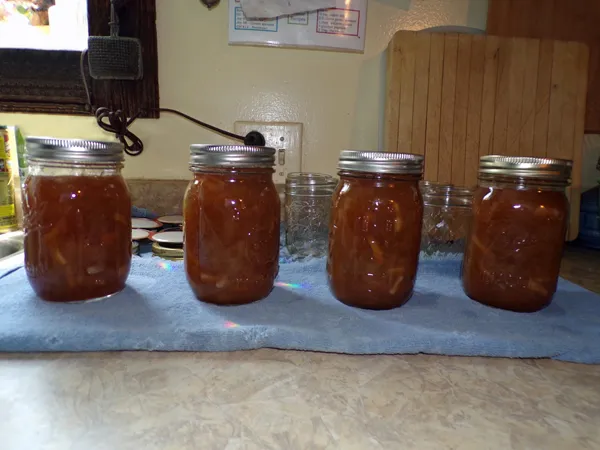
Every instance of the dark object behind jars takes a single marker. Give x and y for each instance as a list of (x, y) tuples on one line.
[(375, 229), (115, 57), (77, 219), (520, 216), (231, 224)]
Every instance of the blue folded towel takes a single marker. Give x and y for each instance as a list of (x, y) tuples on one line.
[(157, 311)]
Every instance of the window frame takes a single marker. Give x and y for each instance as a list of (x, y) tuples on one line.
[(50, 81)]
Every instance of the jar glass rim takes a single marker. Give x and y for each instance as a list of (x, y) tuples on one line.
[(308, 179)]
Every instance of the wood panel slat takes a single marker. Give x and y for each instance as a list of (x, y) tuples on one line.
[(542, 98), (474, 110), (407, 93), (392, 103), (461, 103), (580, 111), (532, 53), (447, 108), (488, 100), (571, 77), (502, 98), (422, 57), (516, 78), (557, 98), (434, 102)]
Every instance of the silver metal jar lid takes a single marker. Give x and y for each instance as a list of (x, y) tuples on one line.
[(231, 156), (48, 149), (381, 162), (551, 169)]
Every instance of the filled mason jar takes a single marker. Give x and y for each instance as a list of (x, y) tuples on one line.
[(307, 213), (77, 219), (375, 229), (231, 223), (520, 218), (447, 212)]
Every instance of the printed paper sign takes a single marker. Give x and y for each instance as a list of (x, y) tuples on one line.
[(343, 22), (342, 27)]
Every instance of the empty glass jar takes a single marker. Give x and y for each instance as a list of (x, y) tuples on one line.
[(447, 212), (307, 212)]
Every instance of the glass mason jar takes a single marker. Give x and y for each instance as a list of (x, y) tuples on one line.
[(307, 212), (520, 217), (77, 219), (231, 223), (447, 216), (375, 229)]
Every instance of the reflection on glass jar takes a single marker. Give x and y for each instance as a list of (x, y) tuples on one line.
[(446, 218), (520, 216), (77, 219), (375, 229), (231, 224), (307, 212)]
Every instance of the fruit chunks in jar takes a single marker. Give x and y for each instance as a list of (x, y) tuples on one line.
[(374, 242), (77, 236), (232, 235), (515, 246)]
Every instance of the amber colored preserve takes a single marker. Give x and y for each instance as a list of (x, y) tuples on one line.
[(77, 236), (231, 228), (374, 241), (513, 253)]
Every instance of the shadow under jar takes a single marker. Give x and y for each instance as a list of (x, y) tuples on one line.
[(520, 217), (77, 219), (375, 229), (231, 224)]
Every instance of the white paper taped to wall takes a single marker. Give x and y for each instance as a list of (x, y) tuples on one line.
[(268, 9), (341, 27)]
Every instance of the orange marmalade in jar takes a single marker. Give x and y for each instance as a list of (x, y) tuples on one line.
[(375, 229), (520, 216), (76, 219), (231, 224)]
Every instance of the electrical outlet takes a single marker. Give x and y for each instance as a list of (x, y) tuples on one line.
[(285, 138)]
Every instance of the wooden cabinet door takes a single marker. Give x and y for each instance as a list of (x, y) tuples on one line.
[(566, 20)]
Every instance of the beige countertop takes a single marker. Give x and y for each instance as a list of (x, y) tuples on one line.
[(270, 399)]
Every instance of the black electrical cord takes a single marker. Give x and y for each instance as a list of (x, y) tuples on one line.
[(117, 122), (203, 124)]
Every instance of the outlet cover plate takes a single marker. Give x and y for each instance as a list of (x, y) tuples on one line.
[(285, 138)]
